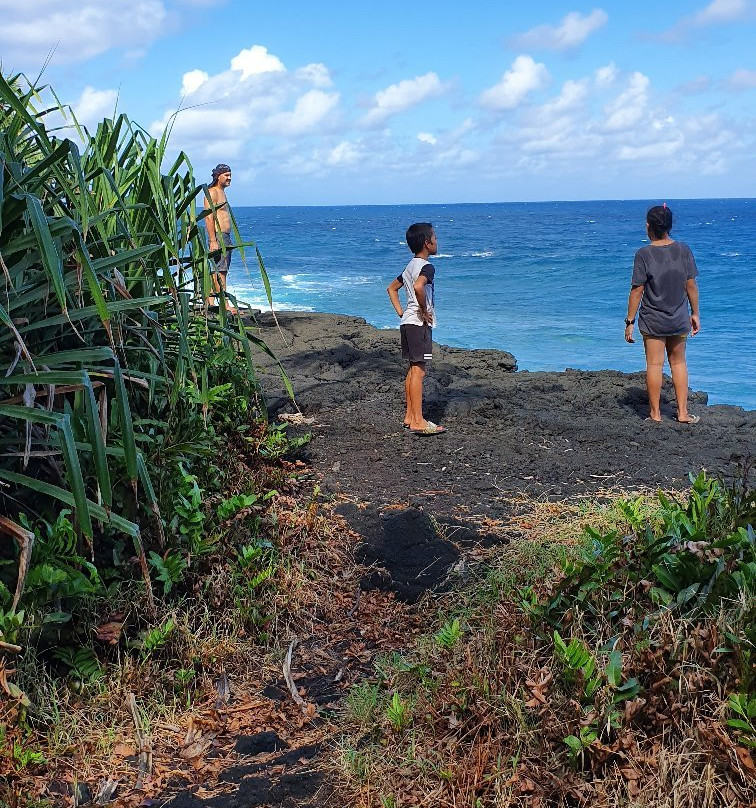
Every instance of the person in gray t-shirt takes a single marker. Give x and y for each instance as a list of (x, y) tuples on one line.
[(663, 284)]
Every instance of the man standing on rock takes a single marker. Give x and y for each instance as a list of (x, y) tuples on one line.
[(418, 319), (218, 223)]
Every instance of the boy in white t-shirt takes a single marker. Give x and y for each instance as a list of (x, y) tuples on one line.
[(418, 319)]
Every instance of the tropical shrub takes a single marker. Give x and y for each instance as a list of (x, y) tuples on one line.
[(114, 379)]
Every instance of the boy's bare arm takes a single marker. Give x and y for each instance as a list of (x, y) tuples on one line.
[(422, 302), (393, 293)]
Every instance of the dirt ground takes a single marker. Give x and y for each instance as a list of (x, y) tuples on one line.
[(418, 503)]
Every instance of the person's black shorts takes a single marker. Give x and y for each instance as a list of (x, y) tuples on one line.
[(417, 342), (223, 261)]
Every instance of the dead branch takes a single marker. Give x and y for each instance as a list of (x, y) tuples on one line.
[(143, 743), (289, 679)]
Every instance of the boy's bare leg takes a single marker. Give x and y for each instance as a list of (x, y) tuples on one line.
[(407, 397), (654, 347), (414, 388), (679, 368)]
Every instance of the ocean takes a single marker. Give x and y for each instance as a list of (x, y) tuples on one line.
[(546, 281)]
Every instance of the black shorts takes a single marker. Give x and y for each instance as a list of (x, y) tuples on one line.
[(417, 342), (223, 262)]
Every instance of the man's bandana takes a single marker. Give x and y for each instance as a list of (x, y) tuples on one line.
[(221, 168)]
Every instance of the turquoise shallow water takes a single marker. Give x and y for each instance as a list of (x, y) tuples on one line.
[(546, 281)]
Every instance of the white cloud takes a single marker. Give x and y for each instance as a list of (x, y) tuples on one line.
[(344, 153), (606, 75), (255, 100), (720, 11), (427, 137), (629, 106), (309, 111), (570, 33), (94, 105), (742, 79), (405, 95), (256, 60), (652, 151), (192, 81), (524, 76), (316, 74), (76, 31)]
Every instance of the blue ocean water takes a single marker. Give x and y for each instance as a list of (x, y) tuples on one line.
[(546, 281)]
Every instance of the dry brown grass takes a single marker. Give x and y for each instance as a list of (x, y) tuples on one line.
[(489, 716)]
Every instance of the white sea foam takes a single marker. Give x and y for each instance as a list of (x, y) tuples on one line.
[(356, 280), (484, 254), (259, 302), (443, 255), (299, 281)]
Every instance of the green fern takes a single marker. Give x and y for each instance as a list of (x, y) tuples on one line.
[(82, 663)]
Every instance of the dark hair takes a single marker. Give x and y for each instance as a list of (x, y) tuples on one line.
[(659, 220), (418, 235)]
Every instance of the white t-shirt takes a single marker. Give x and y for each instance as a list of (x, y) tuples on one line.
[(413, 270)]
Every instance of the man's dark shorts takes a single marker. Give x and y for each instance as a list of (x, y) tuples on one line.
[(224, 260), (417, 342)]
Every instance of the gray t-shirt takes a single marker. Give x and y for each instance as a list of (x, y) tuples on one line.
[(664, 272)]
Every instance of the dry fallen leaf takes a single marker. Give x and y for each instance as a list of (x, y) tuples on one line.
[(109, 632)]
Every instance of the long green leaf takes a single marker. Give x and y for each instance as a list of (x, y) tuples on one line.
[(60, 494), (51, 258), (127, 426)]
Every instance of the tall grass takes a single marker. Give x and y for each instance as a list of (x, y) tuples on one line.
[(105, 343)]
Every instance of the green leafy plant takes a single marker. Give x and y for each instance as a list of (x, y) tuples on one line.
[(188, 520), (577, 744), (170, 567), (399, 713), (230, 507), (185, 678), (743, 705), (110, 372), (23, 756), (579, 664), (155, 638), (82, 663), (449, 634), (255, 564), (276, 443)]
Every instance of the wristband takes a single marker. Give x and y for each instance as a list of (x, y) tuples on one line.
[(629, 322)]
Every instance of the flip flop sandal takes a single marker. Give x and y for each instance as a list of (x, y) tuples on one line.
[(692, 419), (430, 429)]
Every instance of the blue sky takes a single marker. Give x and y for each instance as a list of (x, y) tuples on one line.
[(347, 103)]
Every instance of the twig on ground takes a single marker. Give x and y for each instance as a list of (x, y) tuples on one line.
[(356, 604), (143, 742), (289, 679)]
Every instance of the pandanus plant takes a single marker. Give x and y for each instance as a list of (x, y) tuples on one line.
[(104, 277)]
